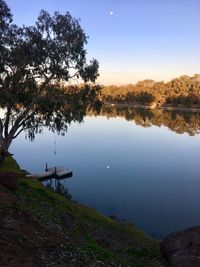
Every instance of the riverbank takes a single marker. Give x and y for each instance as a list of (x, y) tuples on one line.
[(41, 228), (150, 107)]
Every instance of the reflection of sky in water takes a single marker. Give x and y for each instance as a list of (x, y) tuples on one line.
[(2, 113), (154, 174)]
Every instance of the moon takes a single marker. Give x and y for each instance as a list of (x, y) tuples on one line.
[(111, 13)]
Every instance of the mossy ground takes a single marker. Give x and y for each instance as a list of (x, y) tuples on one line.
[(50, 230)]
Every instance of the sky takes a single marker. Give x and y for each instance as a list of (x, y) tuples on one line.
[(132, 39)]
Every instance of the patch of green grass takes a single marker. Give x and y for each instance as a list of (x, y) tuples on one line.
[(10, 165), (122, 242), (48, 208), (94, 250)]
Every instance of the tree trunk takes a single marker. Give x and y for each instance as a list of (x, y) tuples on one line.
[(4, 146)]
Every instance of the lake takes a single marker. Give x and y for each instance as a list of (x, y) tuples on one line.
[(143, 167)]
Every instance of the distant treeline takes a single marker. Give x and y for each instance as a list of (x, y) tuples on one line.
[(179, 92), (84, 100)]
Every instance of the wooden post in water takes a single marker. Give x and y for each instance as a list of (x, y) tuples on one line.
[(46, 169), (55, 171)]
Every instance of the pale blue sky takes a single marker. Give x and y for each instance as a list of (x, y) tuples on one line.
[(155, 39)]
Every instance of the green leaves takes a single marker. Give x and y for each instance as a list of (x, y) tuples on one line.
[(49, 52), (34, 61)]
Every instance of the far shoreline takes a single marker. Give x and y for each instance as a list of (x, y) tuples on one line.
[(150, 107)]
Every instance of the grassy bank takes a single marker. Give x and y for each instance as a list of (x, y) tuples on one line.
[(41, 228)]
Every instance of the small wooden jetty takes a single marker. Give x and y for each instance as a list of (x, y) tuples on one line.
[(53, 172)]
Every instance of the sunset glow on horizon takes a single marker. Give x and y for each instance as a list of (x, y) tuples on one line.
[(122, 78)]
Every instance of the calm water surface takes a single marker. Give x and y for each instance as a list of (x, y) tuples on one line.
[(149, 176)]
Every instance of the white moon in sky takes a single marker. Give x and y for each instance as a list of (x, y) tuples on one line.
[(111, 13)]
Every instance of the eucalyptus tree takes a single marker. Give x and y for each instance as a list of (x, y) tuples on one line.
[(34, 62)]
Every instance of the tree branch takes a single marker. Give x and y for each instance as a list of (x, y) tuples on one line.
[(26, 128), (74, 75), (1, 128), (26, 119), (7, 120), (23, 129), (48, 79)]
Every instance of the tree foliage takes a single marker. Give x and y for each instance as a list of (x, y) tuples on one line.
[(180, 91), (34, 62)]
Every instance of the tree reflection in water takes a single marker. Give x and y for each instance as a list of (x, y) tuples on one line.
[(177, 121), (57, 187)]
